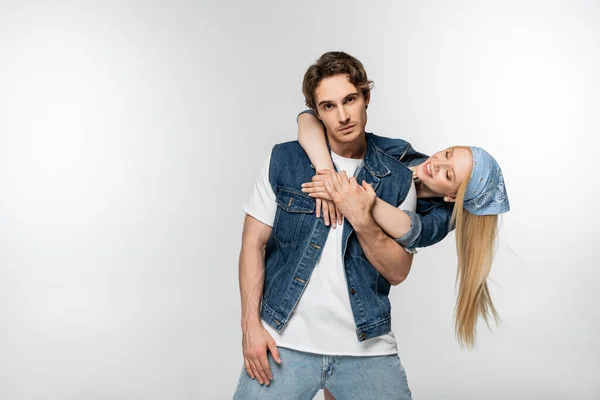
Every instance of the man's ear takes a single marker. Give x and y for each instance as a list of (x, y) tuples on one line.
[(450, 198)]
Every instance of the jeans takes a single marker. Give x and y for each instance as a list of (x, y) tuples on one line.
[(301, 375)]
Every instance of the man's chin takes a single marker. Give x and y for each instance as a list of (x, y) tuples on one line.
[(348, 138)]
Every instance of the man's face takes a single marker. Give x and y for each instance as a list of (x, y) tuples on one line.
[(342, 109)]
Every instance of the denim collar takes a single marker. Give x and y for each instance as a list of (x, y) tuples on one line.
[(372, 160)]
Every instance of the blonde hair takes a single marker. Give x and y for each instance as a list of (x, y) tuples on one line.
[(475, 243)]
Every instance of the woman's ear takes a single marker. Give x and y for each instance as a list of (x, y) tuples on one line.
[(450, 198)]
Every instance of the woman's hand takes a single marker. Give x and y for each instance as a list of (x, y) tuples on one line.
[(316, 189), (352, 200)]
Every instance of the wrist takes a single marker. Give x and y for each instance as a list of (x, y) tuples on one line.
[(365, 224), (325, 165), (250, 323)]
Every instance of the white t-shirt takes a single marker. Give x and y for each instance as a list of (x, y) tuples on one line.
[(322, 322)]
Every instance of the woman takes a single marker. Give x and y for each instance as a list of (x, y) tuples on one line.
[(467, 177)]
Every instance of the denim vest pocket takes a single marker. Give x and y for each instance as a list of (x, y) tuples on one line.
[(293, 207)]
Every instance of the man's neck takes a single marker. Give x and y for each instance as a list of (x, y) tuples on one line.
[(355, 149)]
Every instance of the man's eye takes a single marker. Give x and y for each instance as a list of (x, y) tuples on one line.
[(350, 99), (448, 175), (327, 106)]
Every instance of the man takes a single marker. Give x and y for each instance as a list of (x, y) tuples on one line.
[(315, 307)]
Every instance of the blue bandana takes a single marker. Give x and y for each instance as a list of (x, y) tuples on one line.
[(486, 193)]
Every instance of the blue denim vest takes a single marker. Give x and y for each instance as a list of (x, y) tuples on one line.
[(298, 237)]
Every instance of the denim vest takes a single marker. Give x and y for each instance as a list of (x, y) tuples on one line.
[(298, 237)]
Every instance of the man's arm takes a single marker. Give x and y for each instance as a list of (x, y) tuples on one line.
[(256, 340), (383, 252), (355, 202)]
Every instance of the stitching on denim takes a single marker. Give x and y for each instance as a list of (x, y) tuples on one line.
[(375, 324)]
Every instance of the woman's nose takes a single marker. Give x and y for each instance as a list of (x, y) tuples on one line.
[(437, 165)]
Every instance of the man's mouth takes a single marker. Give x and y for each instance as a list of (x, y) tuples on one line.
[(347, 129)]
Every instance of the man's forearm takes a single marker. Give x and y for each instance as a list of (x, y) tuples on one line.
[(252, 273), (387, 256)]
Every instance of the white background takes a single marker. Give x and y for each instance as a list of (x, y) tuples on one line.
[(130, 134)]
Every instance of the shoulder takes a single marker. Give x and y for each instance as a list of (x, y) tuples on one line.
[(399, 149), (392, 146), (292, 146), (390, 160)]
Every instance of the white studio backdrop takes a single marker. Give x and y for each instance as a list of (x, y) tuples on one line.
[(131, 132)]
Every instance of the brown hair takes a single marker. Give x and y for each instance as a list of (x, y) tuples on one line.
[(331, 64), (475, 242)]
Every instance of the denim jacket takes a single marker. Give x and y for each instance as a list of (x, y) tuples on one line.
[(431, 223), (298, 237)]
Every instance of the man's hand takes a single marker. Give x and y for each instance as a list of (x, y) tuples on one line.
[(255, 343), (354, 201)]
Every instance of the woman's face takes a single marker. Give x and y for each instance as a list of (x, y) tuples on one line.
[(445, 171)]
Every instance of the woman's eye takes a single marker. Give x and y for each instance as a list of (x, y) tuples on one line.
[(447, 154)]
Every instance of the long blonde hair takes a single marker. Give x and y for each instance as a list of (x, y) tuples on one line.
[(475, 244)]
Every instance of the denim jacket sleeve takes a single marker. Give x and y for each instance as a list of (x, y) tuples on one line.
[(429, 225), (307, 111)]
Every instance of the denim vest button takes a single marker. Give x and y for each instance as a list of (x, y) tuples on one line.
[(363, 336), (353, 291)]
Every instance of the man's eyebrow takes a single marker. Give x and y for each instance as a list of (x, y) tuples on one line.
[(330, 101)]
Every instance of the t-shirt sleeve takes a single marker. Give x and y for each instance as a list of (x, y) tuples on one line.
[(261, 203), (410, 201)]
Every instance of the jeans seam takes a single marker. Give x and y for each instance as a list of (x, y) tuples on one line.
[(235, 394)]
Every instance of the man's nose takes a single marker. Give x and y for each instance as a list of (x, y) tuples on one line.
[(343, 116)]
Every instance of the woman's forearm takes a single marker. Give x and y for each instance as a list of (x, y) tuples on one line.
[(311, 136), (390, 219)]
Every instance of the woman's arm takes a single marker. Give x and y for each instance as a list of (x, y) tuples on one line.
[(311, 136), (392, 220)]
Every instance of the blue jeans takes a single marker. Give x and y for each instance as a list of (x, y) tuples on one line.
[(301, 375)]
